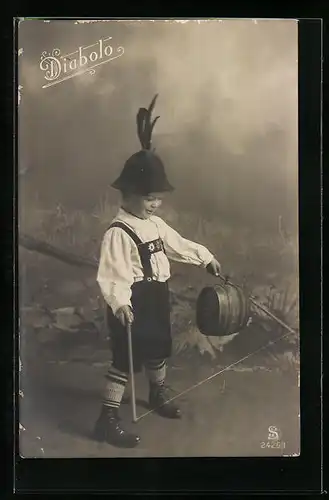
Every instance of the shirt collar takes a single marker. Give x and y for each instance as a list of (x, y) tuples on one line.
[(125, 212), (130, 218)]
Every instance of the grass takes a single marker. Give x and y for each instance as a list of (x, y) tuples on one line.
[(266, 264)]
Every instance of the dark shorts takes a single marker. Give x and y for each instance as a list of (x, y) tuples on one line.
[(151, 329)]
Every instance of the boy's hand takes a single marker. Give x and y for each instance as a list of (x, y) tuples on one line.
[(214, 268), (125, 315)]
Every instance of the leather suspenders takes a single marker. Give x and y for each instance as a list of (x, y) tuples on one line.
[(145, 249)]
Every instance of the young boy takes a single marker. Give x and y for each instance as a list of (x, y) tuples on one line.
[(133, 277)]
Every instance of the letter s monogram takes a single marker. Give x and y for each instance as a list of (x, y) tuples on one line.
[(273, 432)]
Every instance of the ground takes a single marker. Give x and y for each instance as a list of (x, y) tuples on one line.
[(229, 415)]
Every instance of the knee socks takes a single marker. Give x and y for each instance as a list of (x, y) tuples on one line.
[(117, 381), (115, 387), (156, 371)]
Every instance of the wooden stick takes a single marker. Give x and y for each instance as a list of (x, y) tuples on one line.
[(271, 315), (132, 376), (263, 308)]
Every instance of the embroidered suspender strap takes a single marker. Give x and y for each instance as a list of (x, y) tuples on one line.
[(155, 246), (142, 249)]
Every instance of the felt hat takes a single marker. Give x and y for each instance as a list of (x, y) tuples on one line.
[(144, 171)]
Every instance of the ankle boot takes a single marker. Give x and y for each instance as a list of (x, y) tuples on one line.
[(108, 429), (157, 399)]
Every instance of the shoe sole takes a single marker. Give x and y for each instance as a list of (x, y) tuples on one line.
[(158, 410), (102, 439)]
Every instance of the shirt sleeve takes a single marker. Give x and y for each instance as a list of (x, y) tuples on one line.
[(115, 274), (180, 249)]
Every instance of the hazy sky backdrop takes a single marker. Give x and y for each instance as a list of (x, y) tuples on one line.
[(227, 104)]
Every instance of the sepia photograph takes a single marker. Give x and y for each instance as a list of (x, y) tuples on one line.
[(158, 259)]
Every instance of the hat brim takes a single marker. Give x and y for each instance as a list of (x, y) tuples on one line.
[(161, 187)]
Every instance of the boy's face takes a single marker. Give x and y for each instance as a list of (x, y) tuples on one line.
[(144, 206)]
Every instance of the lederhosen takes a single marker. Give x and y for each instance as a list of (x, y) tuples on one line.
[(151, 329)]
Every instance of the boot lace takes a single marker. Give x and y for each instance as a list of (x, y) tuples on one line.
[(166, 392)]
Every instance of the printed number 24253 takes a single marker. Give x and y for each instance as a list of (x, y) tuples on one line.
[(273, 444)]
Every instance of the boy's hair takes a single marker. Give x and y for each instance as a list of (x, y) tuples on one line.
[(124, 195), (127, 193)]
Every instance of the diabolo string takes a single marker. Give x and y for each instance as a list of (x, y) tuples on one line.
[(271, 342)]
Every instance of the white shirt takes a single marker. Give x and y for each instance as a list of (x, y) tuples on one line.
[(120, 265)]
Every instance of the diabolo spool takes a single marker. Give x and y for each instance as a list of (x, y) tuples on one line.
[(222, 310)]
